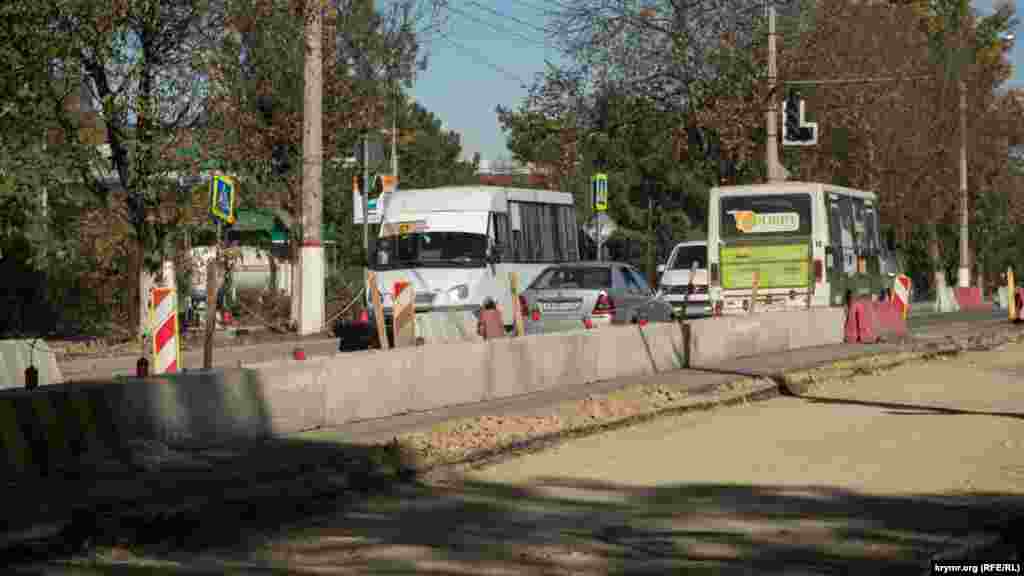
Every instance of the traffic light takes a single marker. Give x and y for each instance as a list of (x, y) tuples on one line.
[(695, 139), (792, 114), (796, 132), (136, 208), (647, 188), (280, 160)]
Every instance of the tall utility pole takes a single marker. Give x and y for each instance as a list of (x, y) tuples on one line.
[(394, 134), (776, 173), (965, 265), (311, 311)]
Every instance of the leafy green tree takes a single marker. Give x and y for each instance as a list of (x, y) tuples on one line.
[(429, 155), (47, 265), (256, 121), (118, 87)]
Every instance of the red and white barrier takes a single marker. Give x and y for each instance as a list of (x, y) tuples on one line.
[(868, 322), (163, 313), (405, 314), (901, 291)]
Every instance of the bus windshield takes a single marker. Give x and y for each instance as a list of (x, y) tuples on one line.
[(432, 249), (765, 216)]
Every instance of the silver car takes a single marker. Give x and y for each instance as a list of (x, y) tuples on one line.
[(589, 294)]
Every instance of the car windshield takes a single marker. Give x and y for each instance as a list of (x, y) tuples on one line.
[(432, 249), (574, 278), (687, 255)]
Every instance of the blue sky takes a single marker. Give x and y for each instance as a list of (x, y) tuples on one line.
[(481, 59)]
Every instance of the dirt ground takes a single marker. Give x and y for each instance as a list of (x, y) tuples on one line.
[(873, 475)]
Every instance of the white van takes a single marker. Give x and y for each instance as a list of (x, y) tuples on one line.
[(457, 245), (688, 260)]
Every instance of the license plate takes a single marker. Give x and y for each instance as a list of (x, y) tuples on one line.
[(559, 306)]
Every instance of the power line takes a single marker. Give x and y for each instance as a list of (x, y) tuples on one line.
[(546, 6), (481, 59), (500, 14), (494, 26), (856, 80), (540, 9)]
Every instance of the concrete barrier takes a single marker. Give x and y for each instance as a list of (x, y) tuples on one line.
[(715, 340), (17, 355), (971, 299), (54, 426), (51, 429)]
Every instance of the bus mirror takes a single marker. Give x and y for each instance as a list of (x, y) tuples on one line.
[(494, 253), (380, 251), (660, 269), (828, 250), (890, 244)]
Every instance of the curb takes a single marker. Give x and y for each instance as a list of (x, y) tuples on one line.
[(762, 389)]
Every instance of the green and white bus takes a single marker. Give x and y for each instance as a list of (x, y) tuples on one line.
[(811, 245)]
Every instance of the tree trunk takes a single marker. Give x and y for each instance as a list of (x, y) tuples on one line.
[(136, 300), (296, 282), (935, 255), (272, 261)]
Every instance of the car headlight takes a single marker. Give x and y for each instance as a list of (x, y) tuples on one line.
[(459, 292)]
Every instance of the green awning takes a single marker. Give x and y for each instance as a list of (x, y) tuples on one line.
[(266, 221)]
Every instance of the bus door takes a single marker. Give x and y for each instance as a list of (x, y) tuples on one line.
[(854, 245)]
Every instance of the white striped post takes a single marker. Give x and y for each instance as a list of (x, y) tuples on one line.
[(164, 323)]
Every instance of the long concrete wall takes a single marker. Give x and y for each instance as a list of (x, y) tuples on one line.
[(716, 340), (39, 430)]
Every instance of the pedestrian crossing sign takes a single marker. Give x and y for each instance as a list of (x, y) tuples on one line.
[(222, 199), (599, 187)]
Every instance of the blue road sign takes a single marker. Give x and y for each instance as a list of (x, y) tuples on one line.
[(599, 188), (222, 199)]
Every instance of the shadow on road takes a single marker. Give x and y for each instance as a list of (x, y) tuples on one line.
[(569, 526), (911, 409), (304, 506)]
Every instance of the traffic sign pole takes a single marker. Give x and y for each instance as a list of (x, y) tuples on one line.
[(599, 200)]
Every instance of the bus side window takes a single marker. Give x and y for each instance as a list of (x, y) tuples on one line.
[(568, 230), (516, 221)]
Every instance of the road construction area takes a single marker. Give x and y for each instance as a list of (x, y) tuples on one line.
[(879, 474)]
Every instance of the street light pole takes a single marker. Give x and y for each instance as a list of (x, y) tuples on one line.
[(965, 267)]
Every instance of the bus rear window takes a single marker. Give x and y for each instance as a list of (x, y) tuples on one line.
[(765, 215)]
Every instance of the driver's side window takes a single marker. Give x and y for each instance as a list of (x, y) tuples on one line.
[(500, 235), (629, 279)]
